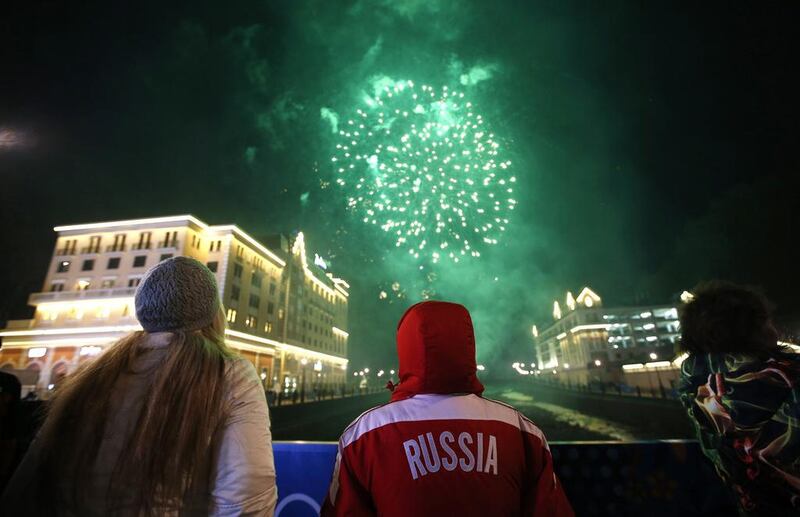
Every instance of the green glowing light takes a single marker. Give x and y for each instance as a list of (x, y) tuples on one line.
[(421, 164)]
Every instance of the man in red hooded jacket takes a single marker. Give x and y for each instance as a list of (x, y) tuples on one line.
[(439, 448)]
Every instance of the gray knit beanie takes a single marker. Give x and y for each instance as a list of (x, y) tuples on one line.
[(178, 294)]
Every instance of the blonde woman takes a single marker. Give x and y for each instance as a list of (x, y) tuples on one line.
[(168, 421)]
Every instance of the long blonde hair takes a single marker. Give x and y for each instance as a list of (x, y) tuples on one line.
[(166, 456)]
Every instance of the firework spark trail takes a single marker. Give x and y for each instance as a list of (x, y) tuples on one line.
[(422, 165)]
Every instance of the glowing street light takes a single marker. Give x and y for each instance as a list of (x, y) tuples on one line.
[(380, 373), (598, 362), (391, 372), (481, 368), (366, 370), (653, 355)]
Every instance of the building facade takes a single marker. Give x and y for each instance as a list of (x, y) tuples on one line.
[(589, 342), (286, 315)]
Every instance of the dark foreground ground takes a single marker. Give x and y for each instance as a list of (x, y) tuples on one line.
[(561, 416)]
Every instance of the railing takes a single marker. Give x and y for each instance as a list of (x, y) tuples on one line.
[(115, 247), (612, 388), (141, 246), (654, 478), (168, 244), (86, 294), (90, 249), (63, 252)]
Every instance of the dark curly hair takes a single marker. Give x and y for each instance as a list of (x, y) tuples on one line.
[(727, 318)]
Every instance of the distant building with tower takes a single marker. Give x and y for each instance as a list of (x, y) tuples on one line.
[(589, 342), (285, 314)]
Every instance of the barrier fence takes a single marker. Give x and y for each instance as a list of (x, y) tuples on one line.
[(654, 478)]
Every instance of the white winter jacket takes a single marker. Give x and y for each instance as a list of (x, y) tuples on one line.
[(242, 481)]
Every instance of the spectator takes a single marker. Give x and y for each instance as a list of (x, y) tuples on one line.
[(439, 448), (740, 389), (166, 421), (10, 390)]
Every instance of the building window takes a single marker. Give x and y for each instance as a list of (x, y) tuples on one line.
[(144, 241), (256, 280), (280, 314), (82, 285), (251, 322), (255, 301), (119, 243), (239, 252), (108, 283), (235, 292), (219, 245), (113, 263), (170, 240), (139, 261), (165, 256), (63, 266), (56, 287), (268, 327), (88, 265), (237, 270), (134, 282), (213, 266), (270, 307), (94, 245), (272, 288), (231, 315)]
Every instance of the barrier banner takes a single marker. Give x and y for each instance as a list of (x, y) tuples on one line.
[(660, 478), (304, 472)]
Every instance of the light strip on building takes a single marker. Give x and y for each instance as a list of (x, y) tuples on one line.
[(562, 335), (340, 332), (70, 330), (75, 341), (174, 219), (285, 346), (260, 247), (131, 222), (658, 364), (634, 366), (589, 327), (250, 347)]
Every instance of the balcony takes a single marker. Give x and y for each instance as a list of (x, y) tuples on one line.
[(90, 249), (115, 247), (169, 244), (141, 246), (87, 294), (65, 252)]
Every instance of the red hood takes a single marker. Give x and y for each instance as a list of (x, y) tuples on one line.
[(436, 350)]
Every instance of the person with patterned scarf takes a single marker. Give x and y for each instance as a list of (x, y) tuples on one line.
[(740, 387)]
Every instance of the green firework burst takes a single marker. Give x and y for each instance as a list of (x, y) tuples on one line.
[(421, 165)]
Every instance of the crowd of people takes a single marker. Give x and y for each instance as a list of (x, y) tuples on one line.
[(183, 428)]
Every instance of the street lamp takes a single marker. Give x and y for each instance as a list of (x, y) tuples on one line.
[(653, 356), (598, 362)]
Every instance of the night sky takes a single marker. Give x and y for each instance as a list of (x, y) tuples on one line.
[(654, 145)]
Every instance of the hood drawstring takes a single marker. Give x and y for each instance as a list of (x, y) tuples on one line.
[(390, 385)]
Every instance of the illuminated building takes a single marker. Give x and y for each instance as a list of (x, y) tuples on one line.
[(286, 315), (588, 341)]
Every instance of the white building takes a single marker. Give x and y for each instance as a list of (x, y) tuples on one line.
[(287, 316), (588, 341)]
